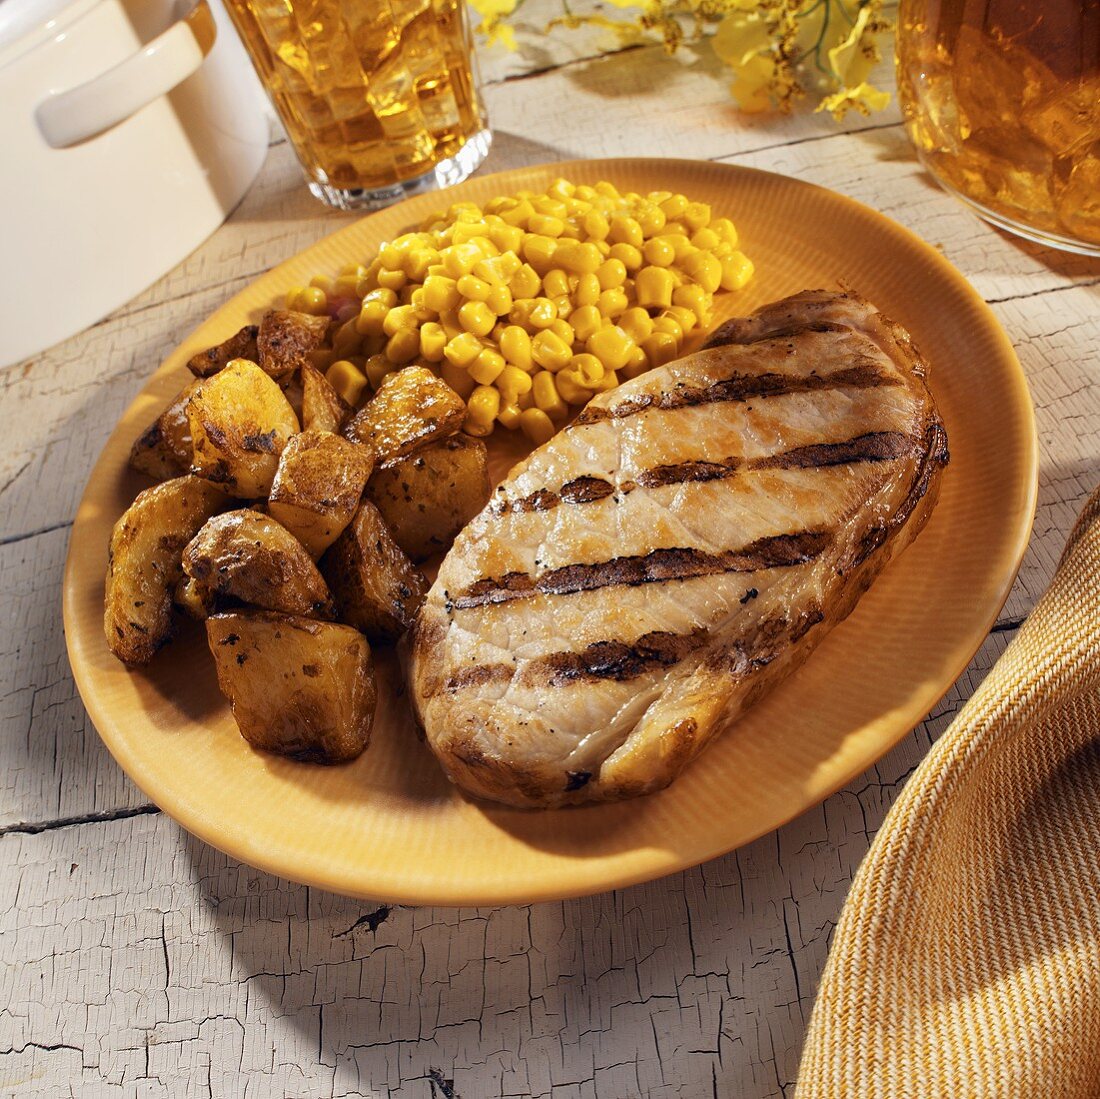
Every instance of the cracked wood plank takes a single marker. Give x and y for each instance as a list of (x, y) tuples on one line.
[(151, 964)]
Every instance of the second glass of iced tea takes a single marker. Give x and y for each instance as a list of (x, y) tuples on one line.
[(1002, 101), (380, 98)]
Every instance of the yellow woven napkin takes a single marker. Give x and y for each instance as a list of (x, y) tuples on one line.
[(966, 962)]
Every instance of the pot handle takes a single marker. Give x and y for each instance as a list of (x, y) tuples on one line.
[(68, 117)]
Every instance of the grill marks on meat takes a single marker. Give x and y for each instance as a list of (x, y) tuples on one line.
[(575, 632), (739, 388), (656, 567), (877, 446)]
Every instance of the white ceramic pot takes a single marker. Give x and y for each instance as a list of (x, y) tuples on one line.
[(128, 131)]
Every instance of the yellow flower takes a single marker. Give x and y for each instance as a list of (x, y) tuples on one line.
[(741, 37), (852, 60), (864, 98), (751, 85), (502, 33), (491, 10)]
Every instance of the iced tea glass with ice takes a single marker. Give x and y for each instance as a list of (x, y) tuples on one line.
[(380, 98), (1002, 101)]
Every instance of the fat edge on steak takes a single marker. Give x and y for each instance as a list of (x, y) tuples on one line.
[(649, 573)]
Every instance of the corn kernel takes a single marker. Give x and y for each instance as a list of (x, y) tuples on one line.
[(513, 383), (546, 395), (659, 252), (376, 368), (462, 350), (706, 239), (651, 218), (609, 381), (629, 256), (441, 293), (653, 287), (542, 313), (637, 364), (403, 346), (525, 283), (686, 318), (636, 323), (563, 330), (432, 341), (499, 301), (457, 378), (611, 345), (726, 230), (625, 230), (581, 258), (695, 298), (588, 369), (347, 379), (392, 278), (670, 326), (538, 251), (595, 225), (487, 367), (737, 269), (448, 321), (525, 401), (476, 317), (372, 316), (497, 269), (704, 269), (588, 289), (608, 189), (546, 226), (549, 206), (564, 305), (348, 338), (515, 345), (482, 407), (660, 348), (536, 425), (550, 351), (561, 189), (518, 215), (555, 282), (612, 302), (460, 259), (509, 416), (473, 289), (674, 206), (571, 389), (696, 215)]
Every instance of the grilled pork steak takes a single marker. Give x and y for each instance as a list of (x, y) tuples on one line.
[(650, 572)]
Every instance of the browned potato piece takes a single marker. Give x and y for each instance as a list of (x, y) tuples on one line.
[(298, 687), (285, 340), (318, 486), (323, 409), (194, 599), (240, 422), (247, 556), (242, 345), (144, 563), (376, 587), (411, 409), (428, 497), (163, 449)]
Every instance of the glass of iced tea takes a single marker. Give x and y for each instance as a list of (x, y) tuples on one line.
[(1002, 101), (380, 98)]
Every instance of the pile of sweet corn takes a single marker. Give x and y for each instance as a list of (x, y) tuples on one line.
[(531, 303)]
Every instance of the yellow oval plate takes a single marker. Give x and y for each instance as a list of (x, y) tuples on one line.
[(390, 826)]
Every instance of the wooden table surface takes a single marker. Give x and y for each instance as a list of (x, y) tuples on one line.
[(139, 961)]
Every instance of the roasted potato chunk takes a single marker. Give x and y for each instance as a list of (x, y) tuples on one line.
[(318, 486), (249, 557), (285, 340), (323, 409), (428, 497), (163, 450), (376, 587), (144, 563), (240, 422), (241, 345), (297, 687), (411, 409)]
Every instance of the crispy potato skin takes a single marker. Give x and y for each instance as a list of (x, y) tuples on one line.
[(247, 556), (323, 409), (298, 687), (240, 421), (144, 564), (427, 497), (285, 340), (411, 409), (318, 486), (163, 450), (376, 587), (241, 345)]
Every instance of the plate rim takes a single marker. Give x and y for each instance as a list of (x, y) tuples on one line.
[(238, 845)]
